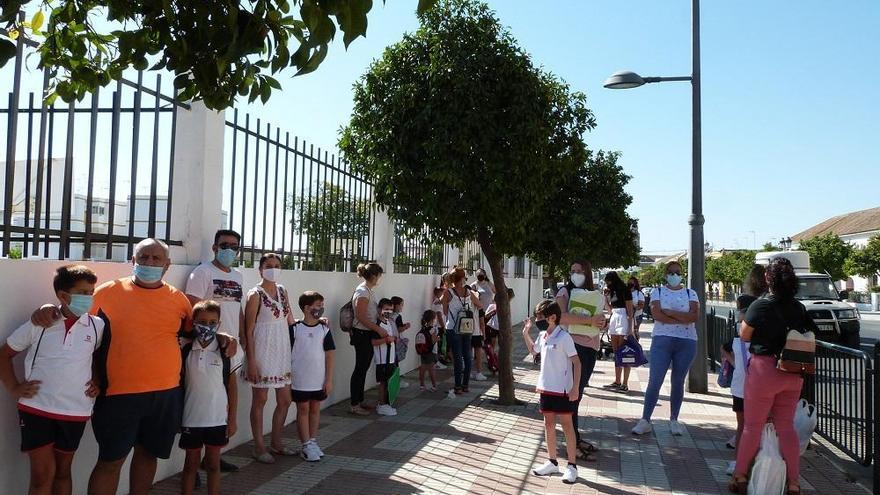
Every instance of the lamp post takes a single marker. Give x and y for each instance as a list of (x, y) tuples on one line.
[(698, 378)]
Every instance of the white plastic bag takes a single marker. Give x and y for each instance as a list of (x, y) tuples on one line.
[(805, 419), (768, 474)]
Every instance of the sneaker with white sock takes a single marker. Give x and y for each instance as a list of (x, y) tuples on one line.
[(642, 427), (731, 467), (386, 410), (571, 475), (546, 469), (310, 453), (317, 447), (439, 366), (676, 428), (422, 388), (479, 377), (432, 388)]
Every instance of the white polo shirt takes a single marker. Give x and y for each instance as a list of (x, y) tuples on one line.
[(380, 352), (557, 348), (61, 359), (205, 401), (307, 356)]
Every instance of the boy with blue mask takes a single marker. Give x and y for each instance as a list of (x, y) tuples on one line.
[(210, 398), (56, 397)]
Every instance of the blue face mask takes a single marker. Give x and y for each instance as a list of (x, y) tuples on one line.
[(205, 333), (148, 274), (226, 257), (673, 279), (80, 304)]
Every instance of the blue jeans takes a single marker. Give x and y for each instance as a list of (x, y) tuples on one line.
[(461, 357), (665, 351)]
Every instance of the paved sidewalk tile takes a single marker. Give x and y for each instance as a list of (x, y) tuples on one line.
[(471, 445)]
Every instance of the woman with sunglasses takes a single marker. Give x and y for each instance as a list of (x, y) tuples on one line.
[(673, 342)]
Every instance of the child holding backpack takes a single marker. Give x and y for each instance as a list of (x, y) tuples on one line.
[(425, 340)]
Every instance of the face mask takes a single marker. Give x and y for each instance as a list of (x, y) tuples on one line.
[(226, 257), (387, 314), (542, 325), (271, 274), (80, 304), (481, 277), (205, 333), (317, 313), (673, 279), (148, 274), (578, 279)]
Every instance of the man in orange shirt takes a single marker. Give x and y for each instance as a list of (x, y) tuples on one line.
[(137, 368)]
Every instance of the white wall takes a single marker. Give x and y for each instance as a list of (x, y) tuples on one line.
[(29, 284)]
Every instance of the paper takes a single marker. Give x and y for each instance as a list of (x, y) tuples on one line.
[(586, 303)]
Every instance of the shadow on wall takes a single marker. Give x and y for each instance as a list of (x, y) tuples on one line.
[(29, 285)]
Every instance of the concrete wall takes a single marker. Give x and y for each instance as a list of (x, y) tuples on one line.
[(28, 284)]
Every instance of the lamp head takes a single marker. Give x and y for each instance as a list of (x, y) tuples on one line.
[(624, 80)]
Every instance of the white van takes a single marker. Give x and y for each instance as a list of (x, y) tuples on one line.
[(838, 322)]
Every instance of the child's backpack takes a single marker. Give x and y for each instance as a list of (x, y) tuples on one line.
[(799, 353), (491, 357), (424, 342), (401, 348)]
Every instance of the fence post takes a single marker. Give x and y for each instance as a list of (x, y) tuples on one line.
[(873, 418), (198, 188)]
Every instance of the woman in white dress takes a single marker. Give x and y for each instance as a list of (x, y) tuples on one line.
[(266, 318)]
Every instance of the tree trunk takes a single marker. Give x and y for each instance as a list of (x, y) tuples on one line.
[(506, 390)]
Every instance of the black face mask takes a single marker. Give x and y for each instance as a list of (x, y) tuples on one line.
[(481, 277), (542, 325)]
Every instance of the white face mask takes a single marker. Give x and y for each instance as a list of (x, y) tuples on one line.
[(578, 279), (271, 274)]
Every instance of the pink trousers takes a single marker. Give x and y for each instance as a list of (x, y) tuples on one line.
[(769, 390)]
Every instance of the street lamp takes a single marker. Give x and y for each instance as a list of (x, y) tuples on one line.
[(785, 243), (698, 378)]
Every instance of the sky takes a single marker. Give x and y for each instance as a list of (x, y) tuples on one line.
[(790, 104)]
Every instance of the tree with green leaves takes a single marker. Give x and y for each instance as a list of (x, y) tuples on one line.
[(217, 50), (335, 224), (865, 261), (590, 213), (651, 276), (731, 268), (460, 131), (828, 253), (769, 246)]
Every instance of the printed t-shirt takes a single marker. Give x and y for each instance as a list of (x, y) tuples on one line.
[(209, 282)]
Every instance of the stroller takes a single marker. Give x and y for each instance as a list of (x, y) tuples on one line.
[(605, 349), (489, 349)]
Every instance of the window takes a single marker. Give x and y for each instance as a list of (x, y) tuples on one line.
[(97, 210)]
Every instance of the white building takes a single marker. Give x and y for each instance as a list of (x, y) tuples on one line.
[(855, 228)]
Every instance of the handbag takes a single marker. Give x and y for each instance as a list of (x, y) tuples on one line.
[(798, 355), (630, 354), (725, 376), (465, 323)]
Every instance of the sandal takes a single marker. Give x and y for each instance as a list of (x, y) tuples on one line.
[(623, 388), (793, 490), (264, 458), (284, 451), (611, 385), (587, 447), (739, 485)]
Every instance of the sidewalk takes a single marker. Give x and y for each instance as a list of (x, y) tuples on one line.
[(469, 445)]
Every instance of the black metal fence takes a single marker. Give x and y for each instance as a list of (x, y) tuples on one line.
[(85, 180), (844, 391), (289, 197), (414, 253)]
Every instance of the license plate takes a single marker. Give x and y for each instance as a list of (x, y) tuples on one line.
[(826, 327)]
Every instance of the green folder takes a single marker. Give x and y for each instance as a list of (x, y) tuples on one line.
[(393, 382)]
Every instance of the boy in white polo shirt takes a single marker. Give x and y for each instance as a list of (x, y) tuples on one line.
[(56, 397), (311, 357), (384, 355), (560, 370), (210, 398)]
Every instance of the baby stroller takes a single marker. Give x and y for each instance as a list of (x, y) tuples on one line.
[(489, 349), (605, 349)]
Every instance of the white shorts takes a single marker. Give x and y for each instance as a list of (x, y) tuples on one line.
[(618, 324)]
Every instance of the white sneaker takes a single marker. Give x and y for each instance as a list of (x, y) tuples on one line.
[(310, 453), (731, 444), (439, 366), (422, 388), (546, 469), (731, 467), (676, 428), (432, 388), (317, 447), (571, 475), (480, 377), (451, 394), (404, 384), (642, 427), (386, 410)]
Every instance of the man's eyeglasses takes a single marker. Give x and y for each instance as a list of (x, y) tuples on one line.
[(226, 245)]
